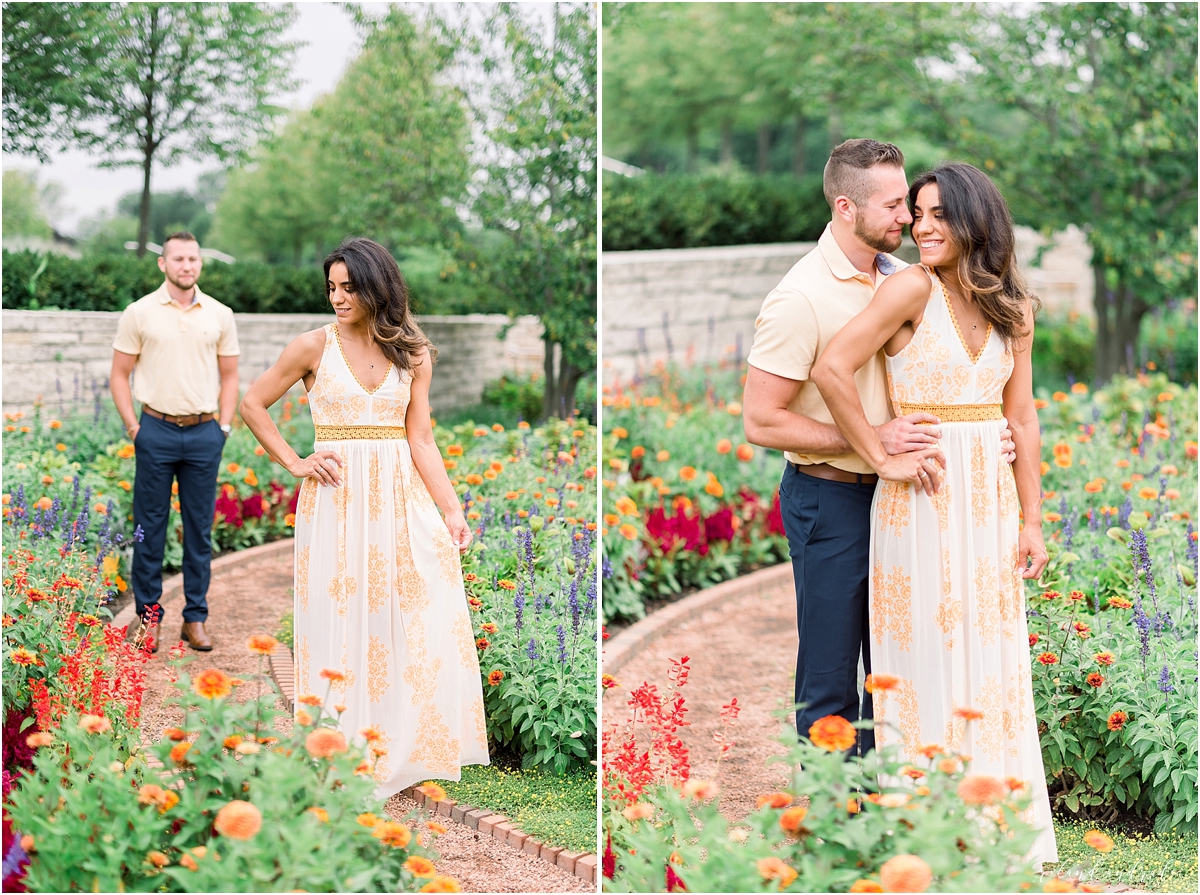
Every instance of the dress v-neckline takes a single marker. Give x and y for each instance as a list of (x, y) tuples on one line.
[(987, 336), (342, 351)]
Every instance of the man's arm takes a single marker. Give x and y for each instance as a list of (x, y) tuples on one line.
[(768, 422), (118, 381), (227, 366)]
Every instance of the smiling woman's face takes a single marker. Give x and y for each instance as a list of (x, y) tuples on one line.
[(342, 295), (929, 229)]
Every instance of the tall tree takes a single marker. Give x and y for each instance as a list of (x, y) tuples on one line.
[(1106, 140), (141, 83), (23, 212), (538, 186)]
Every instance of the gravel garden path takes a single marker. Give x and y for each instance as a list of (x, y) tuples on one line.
[(744, 646), (250, 600)]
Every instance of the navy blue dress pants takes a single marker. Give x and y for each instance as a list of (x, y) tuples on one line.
[(828, 527), (191, 455)]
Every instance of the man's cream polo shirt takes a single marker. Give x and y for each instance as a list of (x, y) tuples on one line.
[(800, 317), (177, 348)]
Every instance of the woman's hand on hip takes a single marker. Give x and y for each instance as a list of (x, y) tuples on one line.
[(324, 466), (1032, 548), (460, 532), (923, 468)]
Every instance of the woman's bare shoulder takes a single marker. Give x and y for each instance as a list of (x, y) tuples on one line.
[(421, 364)]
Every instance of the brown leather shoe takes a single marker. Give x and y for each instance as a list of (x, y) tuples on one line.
[(194, 635)]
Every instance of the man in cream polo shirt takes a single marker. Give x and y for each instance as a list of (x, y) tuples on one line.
[(827, 489), (182, 348)]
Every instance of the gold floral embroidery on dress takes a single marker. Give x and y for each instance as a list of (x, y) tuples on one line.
[(374, 488), (345, 684), (342, 586), (1010, 596), (941, 502), (988, 736), (377, 668), (1012, 703), (480, 722), (377, 579), (447, 555), (891, 610), (987, 600), (1006, 491), (393, 410), (409, 582), (893, 506), (302, 665), (306, 506), (981, 500), (947, 580), (343, 496), (303, 556), (331, 407), (419, 494), (382, 769), (948, 617), (435, 747), (420, 674), (910, 718), (989, 382), (955, 730), (464, 638)]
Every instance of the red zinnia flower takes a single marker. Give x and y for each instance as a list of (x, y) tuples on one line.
[(1095, 679), (1048, 659), (1117, 720)]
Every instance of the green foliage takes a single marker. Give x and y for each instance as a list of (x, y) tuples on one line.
[(23, 215), (96, 826), (515, 396), (1152, 862), (557, 809), (686, 211), (169, 212), (286, 634)]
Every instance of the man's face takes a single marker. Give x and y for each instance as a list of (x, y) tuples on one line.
[(180, 261), (880, 222)]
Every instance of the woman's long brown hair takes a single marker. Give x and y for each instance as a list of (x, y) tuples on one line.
[(982, 230), (381, 291)]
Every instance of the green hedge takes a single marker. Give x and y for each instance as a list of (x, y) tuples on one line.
[(686, 211)]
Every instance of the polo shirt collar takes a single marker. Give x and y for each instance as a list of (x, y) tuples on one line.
[(164, 297), (839, 264)]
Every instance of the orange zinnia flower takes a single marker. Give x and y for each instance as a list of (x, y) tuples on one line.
[(638, 452), (441, 883), (1095, 679), (968, 714), (212, 683), (774, 800), (495, 678), (833, 733), (319, 813), (1104, 658), (391, 833), (773, 868), (607, 681), (1048, 659), (745, 452), (866, 885), (332, 674), (432, 791), (371, 734), (981, 789), (1098, 841), (179, 752), (1117, 720), (638, 811), (724, 446), (700, 789), (628, 532), (263, 644), (325, 742), (626, 506), (792, 820), (662, 456), (95, 723), (878, 682), (422, 867), (238, 820), (905, 873), (687, 473), (39, 738)]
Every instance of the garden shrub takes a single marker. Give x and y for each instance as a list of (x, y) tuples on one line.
[(681, 211)]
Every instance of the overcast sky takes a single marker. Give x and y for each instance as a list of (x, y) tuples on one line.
[(328, 41)]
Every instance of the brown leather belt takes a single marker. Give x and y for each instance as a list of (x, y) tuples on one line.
[(193, 419), (833, 474)]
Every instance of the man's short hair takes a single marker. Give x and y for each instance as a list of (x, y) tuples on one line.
[(183, 235), (846, 172)]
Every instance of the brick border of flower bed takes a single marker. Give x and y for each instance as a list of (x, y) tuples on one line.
[(172, 591), (629, 642), (482, 820)]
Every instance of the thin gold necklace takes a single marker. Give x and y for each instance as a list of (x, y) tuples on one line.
[(954, 294)]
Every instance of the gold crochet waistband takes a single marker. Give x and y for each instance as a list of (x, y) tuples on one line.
[(359, 433), (956, 413)]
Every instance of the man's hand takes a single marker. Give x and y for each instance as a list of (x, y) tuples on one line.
[(914, 432), (1008, 447)]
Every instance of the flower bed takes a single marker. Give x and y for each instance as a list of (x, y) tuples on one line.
[(1112, 622)]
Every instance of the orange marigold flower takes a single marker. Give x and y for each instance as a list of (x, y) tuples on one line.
[(432, 791), (309, 699), (212, 683), (263, 644), (151, 794), (792, 820), (724, 446), (1059, 396), (157, 859), (189, 862), (325, 742), (981, 789), (319, 813), (700, 789), (853, 806), (628, 532), (441, 883), (773, 868), (1095, 679), (332, 674), (626, 506), (422, 867), (833, 733), (437, 828), (638, 452), (662, 456), (882, 682), (232, 742), (866, 885), (968, 714), (1098, 841), (389, 832), (179, 752), (495, 677), (1148, 494), (1048, 659), (774, 800), (1093, 487), (238, 820), (930, 749), (1117, 720), (175, 734), (687, 473), (905, 873), (39, 738), (367, 819), (638, 811), (95, 723)]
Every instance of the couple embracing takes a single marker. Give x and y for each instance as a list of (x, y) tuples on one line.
[(902, 397)]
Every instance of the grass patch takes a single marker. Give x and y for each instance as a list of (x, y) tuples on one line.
[(286, 632), (555, 810), (1163, 862)]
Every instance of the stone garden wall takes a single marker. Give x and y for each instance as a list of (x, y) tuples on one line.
[(62, 356), (701, 304)]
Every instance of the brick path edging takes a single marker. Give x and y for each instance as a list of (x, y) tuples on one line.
[(482, 820), (626, 645)]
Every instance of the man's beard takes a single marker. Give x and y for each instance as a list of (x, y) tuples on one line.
[(178, 285), (880, 242)]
